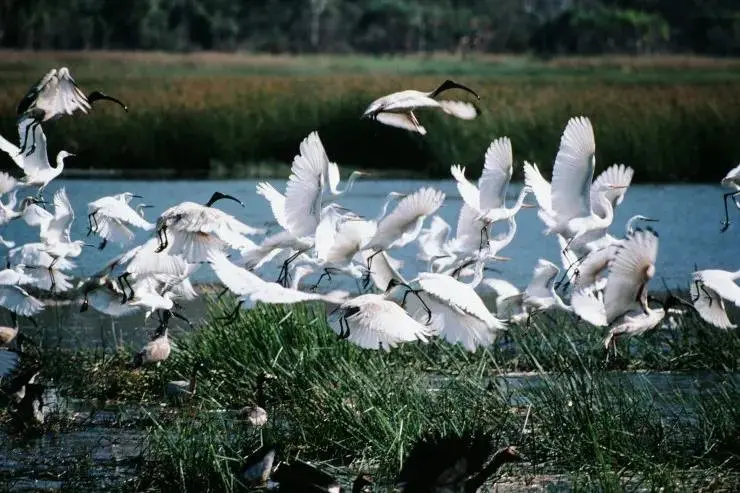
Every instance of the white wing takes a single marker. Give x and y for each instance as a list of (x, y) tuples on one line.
[(382, 270), (542, 277), (721, 282), (401, 120), (468, 191), (593, 267), (630, 269), (587, 305), (62, 96), (58, 228), (496, 174), (618, 175), (239, 281), (350, 237), (710, 306), (276, 201), (501, 287), (38, 160), (539, 185), (7, 183), (12, 151), (459, 109), (8, 362), (403, 224), (305, 187), (574, 170), (123, 212), (35, 215), (19, 301), (376, 323)]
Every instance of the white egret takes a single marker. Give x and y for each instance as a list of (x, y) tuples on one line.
[(372, 321), (433, 239), (709, 289), (35, 165), (626, 293), (54, 95), (251, 289), (194, 230), (457, 312), (488, 200), (731, 180), (47, 271), (397, 109), (110, 216)]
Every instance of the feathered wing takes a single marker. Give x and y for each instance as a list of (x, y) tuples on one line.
[(587, 305), (304, 192), (350, 237), (382, 270), (239, 281), (401, 120), (574, 170), (407, 214), (17, 300), (62, 96), (38, 160), (720, 282), (496, 175), (617, 175), (120, 211), (276, 201), (630, 269), (13, 151), (377, 323), (468, 191), (593, 267), (542, 276), (459, 109), (58, 228), (710, 306), (461, 314)]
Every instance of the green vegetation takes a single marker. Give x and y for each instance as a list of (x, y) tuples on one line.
[(206, 116), (356, 410)]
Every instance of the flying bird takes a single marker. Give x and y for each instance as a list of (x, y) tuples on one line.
[(397, 109)]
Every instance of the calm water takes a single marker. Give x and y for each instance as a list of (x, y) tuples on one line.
[(689, 221)]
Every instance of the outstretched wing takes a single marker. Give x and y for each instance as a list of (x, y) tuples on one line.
[(496, 174), (574, 170), (305, 187)]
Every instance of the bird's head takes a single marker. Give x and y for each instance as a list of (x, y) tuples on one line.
[(218, 196), (64, 155), (101, 96), (127, 196)]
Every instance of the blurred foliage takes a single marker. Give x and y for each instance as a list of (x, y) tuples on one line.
[(375, 26)]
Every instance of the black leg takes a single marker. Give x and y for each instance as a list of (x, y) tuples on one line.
[(162, 235), (222, 293), (418, 296), (102, 244), (484, 238), (51, 274), (232, 317), (565, 274), (90, 228), (284, 277), (694, 299), (708, 295), (726, 222)]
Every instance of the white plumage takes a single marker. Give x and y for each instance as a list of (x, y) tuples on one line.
[(373, 322)]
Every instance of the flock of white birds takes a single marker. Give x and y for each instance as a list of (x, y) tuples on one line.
[(605, 278)]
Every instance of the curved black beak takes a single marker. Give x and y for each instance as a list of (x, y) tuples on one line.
[(100, 96), (451, 84), (218, 196)]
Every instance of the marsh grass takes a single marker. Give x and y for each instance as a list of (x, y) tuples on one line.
[(361, 410), (201, 121)]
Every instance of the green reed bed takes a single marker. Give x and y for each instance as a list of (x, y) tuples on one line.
[(361, 410), (198, 123)]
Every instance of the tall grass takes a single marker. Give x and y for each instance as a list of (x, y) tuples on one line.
[(668, 128), (361, 410)]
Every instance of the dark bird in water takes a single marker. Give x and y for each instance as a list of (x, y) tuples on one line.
[(301, 477), (452, 464), (54, 95)]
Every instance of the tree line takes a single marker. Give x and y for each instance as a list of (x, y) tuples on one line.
[(547, 27)]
